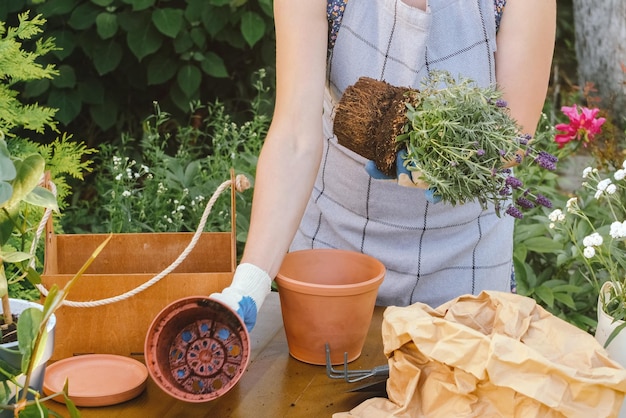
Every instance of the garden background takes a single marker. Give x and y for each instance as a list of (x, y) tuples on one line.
[(156, 100)]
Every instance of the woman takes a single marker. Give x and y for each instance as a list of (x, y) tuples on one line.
[(310, 192)]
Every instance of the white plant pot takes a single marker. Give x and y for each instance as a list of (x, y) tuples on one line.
[(606, 324), (11, 354)]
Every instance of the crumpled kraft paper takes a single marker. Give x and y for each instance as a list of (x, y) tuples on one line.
[(492, 355)]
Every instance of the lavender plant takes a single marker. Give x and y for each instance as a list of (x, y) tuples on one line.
[(463, 143)]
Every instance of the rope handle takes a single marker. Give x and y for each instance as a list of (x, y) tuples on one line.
[(239, 182)]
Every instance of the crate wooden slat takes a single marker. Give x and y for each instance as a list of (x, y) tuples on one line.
[(128, 261)]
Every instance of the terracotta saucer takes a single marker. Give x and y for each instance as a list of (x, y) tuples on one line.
[(96, 379)]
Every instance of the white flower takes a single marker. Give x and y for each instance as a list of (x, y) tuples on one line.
[(598, 194), (118, 177), (618, 230), (620, 174), (571, 204), (552, 225), (126, 193), (556, 215), (611, 189), (624, 164), (593, 240), (589, 252), (603, 184), (586, 172)]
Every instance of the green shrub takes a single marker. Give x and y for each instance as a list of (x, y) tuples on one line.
[(23, 162), (116, 57), (162, 180)]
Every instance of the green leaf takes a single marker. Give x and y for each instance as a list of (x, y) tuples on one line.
[(189, 78), (15, 256), (28, 174), (7, 167), (105, 114), (543, 245), (168, 21), (27, 331), (215, 19), (266, 6), (183, 43), (103, 3), (65, 40), (9, 8), (6, 190), (161, 69), (214, 65), (36, 88), (144, 41), (179, 98), (56, 7), (194, 9), (199, 37), (106, 25), (42, 197), (546, 295), (191, 173), (66, 78), (252, 27), (140, 4), (565, 299), (83, 16), (67, 101), (107, 57), (33, 276)]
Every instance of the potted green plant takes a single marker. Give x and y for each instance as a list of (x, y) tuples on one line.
[(26, 327)]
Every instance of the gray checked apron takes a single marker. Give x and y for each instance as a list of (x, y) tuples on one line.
[(433, 252)]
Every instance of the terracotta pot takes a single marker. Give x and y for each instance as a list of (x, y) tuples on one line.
[(328, 296), (197, 349)]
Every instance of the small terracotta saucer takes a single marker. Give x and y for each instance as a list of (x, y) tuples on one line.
[(96, 379)]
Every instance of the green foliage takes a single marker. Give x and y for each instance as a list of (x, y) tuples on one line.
[(116, 57), (547, 265), (23, 162), (163, 180), (18, 64)]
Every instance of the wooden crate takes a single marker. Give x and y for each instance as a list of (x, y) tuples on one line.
[(128, 261)]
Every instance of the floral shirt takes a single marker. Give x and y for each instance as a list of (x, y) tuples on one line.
[(335, 9)]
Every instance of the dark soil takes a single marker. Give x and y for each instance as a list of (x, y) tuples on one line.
[(9, 332), (369, 116)]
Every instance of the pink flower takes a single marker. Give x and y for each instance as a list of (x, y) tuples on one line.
[(581, 127)]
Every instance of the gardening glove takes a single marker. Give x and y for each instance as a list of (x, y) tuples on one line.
[(246, 293), (404, 177)]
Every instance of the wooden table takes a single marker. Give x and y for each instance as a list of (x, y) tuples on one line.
[(274, 385)]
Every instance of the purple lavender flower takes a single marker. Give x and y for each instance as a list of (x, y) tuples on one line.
[(513, 182), (480, 152), (514, 212), (546, 160), (524, 203), (543, 201), (505, 191), (523, 140), (501, 103)]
